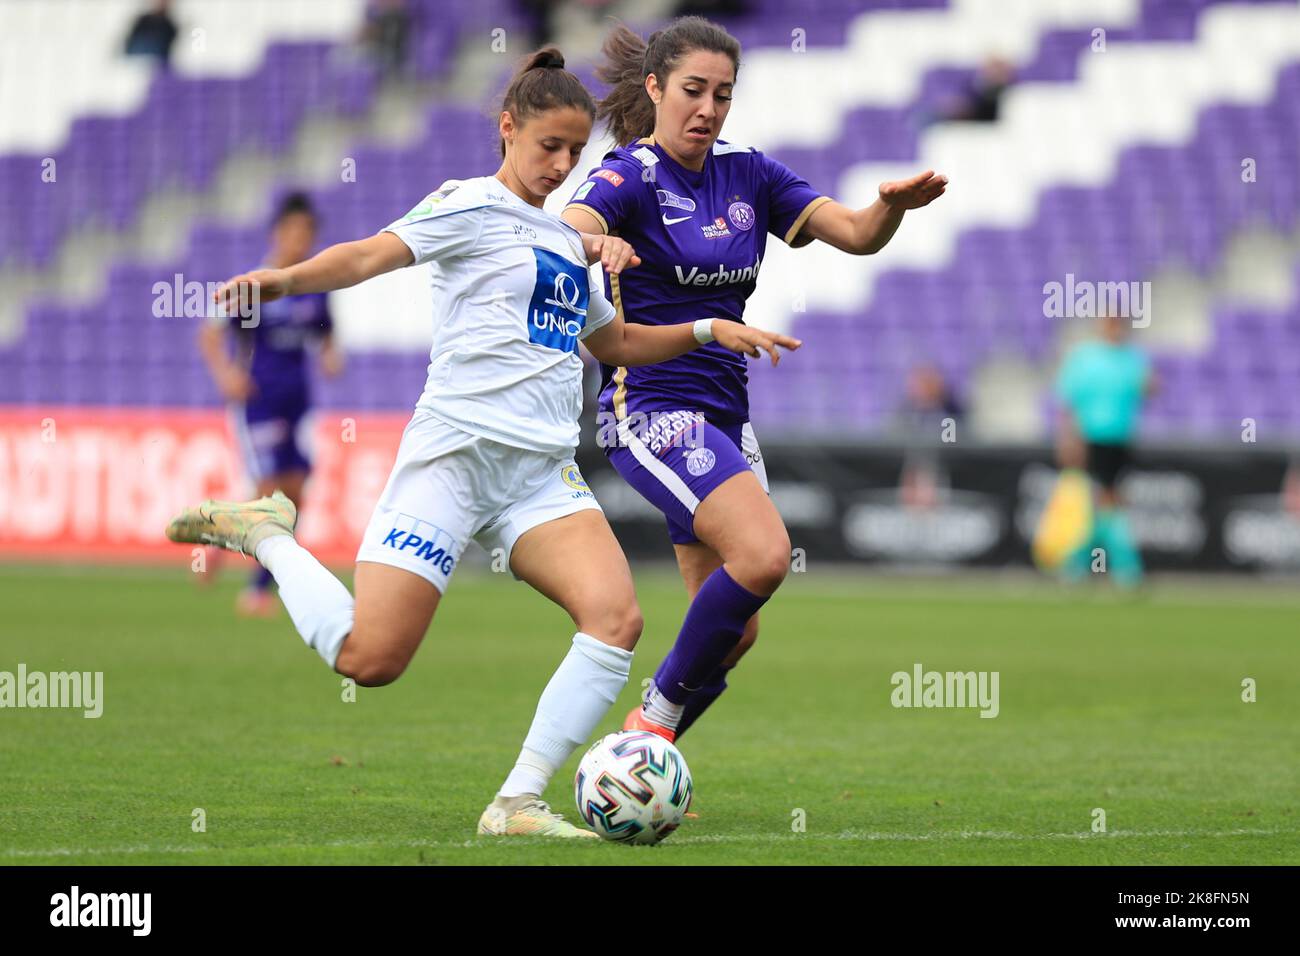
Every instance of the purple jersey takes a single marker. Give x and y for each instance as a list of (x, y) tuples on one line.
[(275, 349), (701, 237)]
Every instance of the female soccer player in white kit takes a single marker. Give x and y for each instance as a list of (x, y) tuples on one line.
[(488, 453)]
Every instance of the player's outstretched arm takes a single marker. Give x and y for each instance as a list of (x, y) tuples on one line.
[(868, 230), (628, 343), (338, 267)]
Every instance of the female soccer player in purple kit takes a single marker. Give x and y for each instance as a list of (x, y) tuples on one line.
[(697, 210), (266, 383)]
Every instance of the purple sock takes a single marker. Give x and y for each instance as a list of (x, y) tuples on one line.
[(702, 698), (713, 626), (261, 579)]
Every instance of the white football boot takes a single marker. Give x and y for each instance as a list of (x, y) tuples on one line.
[(527, 815), (235, 525)]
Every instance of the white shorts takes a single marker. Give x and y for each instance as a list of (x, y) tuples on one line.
[(448, 486)]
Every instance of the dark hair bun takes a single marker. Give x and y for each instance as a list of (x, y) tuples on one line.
[(548, 58), (542, 83)]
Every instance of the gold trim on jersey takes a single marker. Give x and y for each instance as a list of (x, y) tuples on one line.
[(620, 374), (587, 209), (808, 210)]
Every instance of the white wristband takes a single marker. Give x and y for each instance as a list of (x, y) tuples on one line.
[(704, 331)]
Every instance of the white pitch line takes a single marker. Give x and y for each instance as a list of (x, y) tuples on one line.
[(844, 836), (863, 836)]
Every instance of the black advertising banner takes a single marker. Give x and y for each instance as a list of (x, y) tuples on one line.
[(1190, 508)]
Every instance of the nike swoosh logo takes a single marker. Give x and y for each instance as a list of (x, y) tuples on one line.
[(669, 222)]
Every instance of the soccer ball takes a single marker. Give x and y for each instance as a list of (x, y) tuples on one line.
[(633, 787)]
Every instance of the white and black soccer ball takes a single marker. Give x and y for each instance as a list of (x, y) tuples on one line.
[(633, 787)]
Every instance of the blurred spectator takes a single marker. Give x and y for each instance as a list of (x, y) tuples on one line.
[(541, 17), (386, 35), (153, 34), (929, 414), (979, 104), (927, 402)]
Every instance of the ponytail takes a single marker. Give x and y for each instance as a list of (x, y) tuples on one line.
[(542, 83), (628, 110)]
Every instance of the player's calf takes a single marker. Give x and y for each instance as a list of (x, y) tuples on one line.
[(394, 609), (747, 640)]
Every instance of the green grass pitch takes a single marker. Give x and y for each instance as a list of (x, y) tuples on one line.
[(1131, 706)]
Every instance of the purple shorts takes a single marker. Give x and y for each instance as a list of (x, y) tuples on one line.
[(675, 459), (275, 439)]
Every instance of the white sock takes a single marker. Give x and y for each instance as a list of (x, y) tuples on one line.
[(660, 710), (319, 605), (579, 694)]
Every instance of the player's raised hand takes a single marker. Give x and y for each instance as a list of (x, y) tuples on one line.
[(746, 340), (237, 295), (614, 254), (920, 190)]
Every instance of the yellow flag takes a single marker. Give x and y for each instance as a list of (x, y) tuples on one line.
[(1066, 522)]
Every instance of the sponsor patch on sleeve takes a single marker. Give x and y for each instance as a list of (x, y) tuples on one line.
[(426, 205)]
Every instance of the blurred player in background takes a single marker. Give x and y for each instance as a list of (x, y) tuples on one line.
[(488, 453), (1101, 386), (698, 211), (266, 380)]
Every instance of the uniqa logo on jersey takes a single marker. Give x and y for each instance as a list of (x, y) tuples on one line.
[(558, 309)]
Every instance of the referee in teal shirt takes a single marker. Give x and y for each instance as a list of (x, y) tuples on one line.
[(1101, 386)]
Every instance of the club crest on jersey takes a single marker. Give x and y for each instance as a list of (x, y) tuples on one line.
[(572, 477), (741, 215), (716, 229), (700, 461), (558, 309)]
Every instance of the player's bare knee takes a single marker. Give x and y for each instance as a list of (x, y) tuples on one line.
[(619, 625), (367, 668), (764, 571), (633, 624)]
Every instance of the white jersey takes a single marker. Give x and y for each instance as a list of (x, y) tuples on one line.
[(511, 297)]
